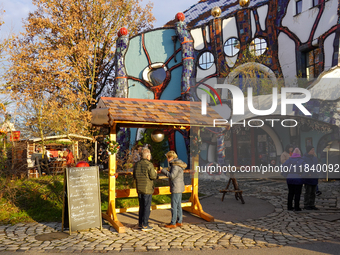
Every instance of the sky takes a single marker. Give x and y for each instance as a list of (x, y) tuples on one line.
[(17, 10)]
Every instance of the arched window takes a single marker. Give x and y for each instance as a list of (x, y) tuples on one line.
[(258, 46), (206, 60), (232, 47)]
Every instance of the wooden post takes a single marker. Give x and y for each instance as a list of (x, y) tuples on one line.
[(95, 152), (196, 207), (111, 215)]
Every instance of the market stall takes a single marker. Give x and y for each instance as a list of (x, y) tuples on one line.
[(159, 114)]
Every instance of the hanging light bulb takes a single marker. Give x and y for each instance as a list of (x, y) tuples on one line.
[(157, 136)]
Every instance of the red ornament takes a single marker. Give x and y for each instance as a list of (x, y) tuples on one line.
[(82, 164), (180, 16), (122, 31)]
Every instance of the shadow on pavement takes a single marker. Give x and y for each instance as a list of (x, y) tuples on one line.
[(228, 210)]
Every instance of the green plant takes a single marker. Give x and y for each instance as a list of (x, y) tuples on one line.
[(56, 142), (158, 150)]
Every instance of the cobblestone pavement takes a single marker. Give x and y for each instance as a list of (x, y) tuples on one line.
[(279, 228)]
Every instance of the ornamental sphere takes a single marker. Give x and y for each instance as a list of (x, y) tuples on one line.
[(216, 11), (122, 31), (157, 136), (244, 3), (180, 16), (82, 164)]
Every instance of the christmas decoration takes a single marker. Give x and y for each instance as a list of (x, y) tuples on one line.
[(112, 146)]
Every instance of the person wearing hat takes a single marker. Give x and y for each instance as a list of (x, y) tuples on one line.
[(294, 179), (310, 181)]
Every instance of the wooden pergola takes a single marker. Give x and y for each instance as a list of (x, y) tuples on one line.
[(146, 113)]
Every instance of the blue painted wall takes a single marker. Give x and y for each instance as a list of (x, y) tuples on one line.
[(135, 58), (173, 90), (138, 90), (159, 44), (160, 47), (180, 147)]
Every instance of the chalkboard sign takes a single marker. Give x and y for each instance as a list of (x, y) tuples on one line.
[(81, 208)]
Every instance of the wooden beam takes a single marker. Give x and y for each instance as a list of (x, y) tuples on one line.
[(157, 191), (116, 224), (196, 207), (111, 212), (153, 207)]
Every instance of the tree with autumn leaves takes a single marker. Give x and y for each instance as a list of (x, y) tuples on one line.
[(64, 61)]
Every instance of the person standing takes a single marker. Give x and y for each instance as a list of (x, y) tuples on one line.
[(144, 174), (287, 153), (176, 180), (310, 183), (294, 179), (69, 158), (136, 153)]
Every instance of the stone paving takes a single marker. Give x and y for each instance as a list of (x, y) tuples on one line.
[(279, 228)]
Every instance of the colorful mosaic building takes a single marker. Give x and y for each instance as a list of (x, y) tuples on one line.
[(260, 44)]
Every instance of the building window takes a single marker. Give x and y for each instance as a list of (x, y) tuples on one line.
[(232, 47), (258, 46), (157, 76), (316, 3), (299, 6), (312, 64), (206, 60)]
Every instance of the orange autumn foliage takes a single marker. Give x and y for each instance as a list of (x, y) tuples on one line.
[(64, 61)]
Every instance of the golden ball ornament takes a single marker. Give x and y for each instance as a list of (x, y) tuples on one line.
[(157, 136), (216, 11), (244, 3)]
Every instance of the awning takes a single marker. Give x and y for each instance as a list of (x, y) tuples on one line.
[(132, 112)]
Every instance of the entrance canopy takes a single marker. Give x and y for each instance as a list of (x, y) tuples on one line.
[(148, 113)]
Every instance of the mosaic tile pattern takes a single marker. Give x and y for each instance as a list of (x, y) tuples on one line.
[(121, 83), (121, 87), (325, 111), (158, 111), (199, 13), (187, 42)]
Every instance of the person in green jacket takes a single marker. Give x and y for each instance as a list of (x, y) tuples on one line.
[(144, 173)]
